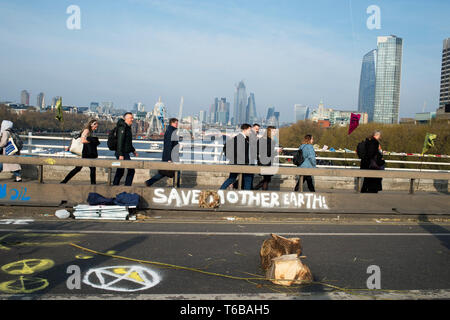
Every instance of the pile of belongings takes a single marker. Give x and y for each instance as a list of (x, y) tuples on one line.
[(103, 208)]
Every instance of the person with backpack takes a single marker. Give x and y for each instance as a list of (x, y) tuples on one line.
[(124, 147), (371, 159), (306, 159), (170, 153), (7, 132), (237, 152), (266, 156), (90, 144)]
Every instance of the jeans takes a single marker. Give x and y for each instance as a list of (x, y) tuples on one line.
[(309, 182), (247, 177), (121, 171), (159, 176)]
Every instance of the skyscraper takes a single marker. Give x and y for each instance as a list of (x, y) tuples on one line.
[(213, 111), (251, 115), (444, 97), (270, 112), (223, 112), (301, 112), (202, 116), (25, 98), (40, 102), (240, 104), (366, 101), (387, 85)]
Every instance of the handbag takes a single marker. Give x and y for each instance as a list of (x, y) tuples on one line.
[(11, 148), (76, 146)]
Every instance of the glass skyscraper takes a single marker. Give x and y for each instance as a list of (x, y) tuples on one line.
[(240, 104), (366, 101), (251, 115), (301, 112), (387, 85)]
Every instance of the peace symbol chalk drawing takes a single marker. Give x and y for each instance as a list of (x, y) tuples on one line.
[(28, 266), (23, 285), (122, 278)]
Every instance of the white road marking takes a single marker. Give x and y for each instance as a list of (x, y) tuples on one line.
[(256, 234)]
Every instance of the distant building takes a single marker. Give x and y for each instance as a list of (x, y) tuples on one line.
[(40, 101), (240, 104), (424, 117), (270, 112), (202, 116), (443, 111), (251, 115), (223, 112), (213, 111), (388, 73), (93, 107), (366, 100), (301, 112), (25, 98)]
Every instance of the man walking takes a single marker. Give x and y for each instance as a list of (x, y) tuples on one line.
[(124, 148), (237, 151), (170, 153)]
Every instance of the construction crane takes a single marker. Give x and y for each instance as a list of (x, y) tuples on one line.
[(180, 113)]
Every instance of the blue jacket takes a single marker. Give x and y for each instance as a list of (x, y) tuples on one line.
[(309, 155)]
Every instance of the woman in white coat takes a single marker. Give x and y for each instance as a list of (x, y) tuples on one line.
[(5, 135)]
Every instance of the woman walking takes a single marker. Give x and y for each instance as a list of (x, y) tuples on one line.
[(372, 160), (266, 155), (5, 135), (309, 161), (90, 144)]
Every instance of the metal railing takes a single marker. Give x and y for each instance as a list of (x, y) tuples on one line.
[(214, 154), (41, 162)]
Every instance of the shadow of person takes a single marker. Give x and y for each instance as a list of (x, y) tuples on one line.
[(439, 232)]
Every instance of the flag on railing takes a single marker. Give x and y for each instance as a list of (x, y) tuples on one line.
[(429, 142), (59, 110), (354, 122)]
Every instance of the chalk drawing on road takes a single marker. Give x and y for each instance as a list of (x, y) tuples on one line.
[(36, 239), (122, 278), (16, 221), (23, 285), (28, 266), (83, 257)]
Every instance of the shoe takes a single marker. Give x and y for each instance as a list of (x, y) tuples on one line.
[(147, 183), (18, 179)]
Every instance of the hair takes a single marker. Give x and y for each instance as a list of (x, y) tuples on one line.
[(89, 125), (256, 125), (374, 133), (307, 139), (245, 126), (125, 114), (173, 120), (269, 131)]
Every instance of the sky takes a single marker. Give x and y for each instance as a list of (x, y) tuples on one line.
[(286, 52)]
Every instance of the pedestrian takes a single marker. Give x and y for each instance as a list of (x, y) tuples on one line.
[(309, 161), (90, 144), (266, 156), (372, 160), (237, 152), (5, 132), (124, 148), (170, 153)]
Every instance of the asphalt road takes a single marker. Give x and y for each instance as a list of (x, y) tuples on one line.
[(37, 259)]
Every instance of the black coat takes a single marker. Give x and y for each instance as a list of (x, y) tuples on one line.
[(266, 151), (90, 149), (372, 160), (170, 142), (237, 150), (124, 139)]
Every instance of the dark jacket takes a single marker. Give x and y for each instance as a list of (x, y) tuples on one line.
[(372, 158), (124, 139), (237, 150), (266, 151), (170, 142), (90, 149)]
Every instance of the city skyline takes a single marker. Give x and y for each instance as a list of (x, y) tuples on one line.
[(288, 53)]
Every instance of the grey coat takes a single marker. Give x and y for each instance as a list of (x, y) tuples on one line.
[(3, 142)]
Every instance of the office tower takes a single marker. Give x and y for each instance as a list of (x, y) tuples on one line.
[(93, 107), (138, 107), (444, 97), (25, 98), (366, 100), (213, 111), (40, 101), (251, 115), (223, 112), (107, 107), (301, 112), (202, 116), (240, 104), (387, 85), (270, 112)]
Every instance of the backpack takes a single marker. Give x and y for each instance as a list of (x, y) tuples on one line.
[(112, 139), (298, 157), (361, 149), (17, 141)]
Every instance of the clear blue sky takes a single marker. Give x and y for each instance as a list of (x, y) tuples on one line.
[(286, 52)]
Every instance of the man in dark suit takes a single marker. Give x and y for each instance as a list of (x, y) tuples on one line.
[(237, 152), (124, 148), (170, 153)]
